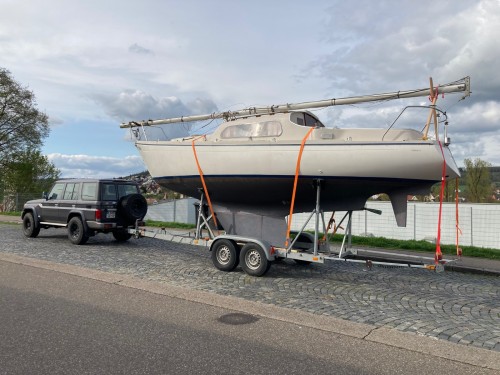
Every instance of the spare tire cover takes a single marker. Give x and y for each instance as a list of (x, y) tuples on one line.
[(133, 207)]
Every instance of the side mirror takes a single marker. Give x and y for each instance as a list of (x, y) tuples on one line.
[(45, 195)]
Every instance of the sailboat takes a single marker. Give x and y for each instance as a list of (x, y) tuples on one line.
[(263, 164)]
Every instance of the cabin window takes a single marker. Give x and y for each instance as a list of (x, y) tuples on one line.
[(255, 130), (89, 191), (108, 192), (305, 119), (126, 189), (71, 192)]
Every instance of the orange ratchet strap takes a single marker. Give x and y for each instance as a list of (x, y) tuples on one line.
[(205, 190), (297, 171)]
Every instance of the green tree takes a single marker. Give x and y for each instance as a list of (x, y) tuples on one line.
[(22, 125), (30, 172), (477, 181), (448, 193), (25, 176), (23, 169)]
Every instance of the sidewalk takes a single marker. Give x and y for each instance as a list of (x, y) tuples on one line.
[(464, 264), (10, 219)]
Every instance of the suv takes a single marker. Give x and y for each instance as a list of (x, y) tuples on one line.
[(86, 207)]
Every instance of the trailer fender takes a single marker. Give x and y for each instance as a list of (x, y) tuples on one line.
[(242, 241)]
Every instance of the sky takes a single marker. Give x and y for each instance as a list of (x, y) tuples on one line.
[(94, 64)]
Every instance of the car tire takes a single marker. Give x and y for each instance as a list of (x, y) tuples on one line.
[(30, 229), (76, 231), (133, 207), (121, 235)]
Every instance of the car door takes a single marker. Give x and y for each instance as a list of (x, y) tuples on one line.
[(50, 208), (88, 199), (68, 201)]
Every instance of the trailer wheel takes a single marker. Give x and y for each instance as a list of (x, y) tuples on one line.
[(253, 260), (225, 255)]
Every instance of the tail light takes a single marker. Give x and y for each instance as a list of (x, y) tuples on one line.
[(98, 215)]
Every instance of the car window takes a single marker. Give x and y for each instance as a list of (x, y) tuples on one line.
[(89, 191), (108, 192), (126, 189), (71, 192), (56, 192)]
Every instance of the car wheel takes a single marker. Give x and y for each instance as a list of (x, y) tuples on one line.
[(29, 227), (121, 235), (133, 207), (225, 255), (253, 260), (76, 231)]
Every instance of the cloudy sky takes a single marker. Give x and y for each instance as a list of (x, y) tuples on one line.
[(93, 64)]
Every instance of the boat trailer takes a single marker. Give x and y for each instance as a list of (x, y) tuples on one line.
[(255, 256)]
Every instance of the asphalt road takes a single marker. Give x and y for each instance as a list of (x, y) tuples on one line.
[(451, 307), (56, 323)]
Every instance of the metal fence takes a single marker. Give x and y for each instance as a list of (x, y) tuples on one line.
[(479, 224), (16, 201)]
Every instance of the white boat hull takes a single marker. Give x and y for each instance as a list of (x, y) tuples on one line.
[(261, 175)]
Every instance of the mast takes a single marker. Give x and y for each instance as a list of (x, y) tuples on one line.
[(462, 85)]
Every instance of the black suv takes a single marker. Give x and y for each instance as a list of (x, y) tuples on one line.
[(86, 207)]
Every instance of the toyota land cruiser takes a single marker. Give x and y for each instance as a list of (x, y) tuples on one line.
[(86, 207)]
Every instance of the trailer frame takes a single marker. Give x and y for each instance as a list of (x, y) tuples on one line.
[(256, 256)]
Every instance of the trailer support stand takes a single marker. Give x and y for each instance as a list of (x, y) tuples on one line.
[(347, 235), (202, 221), (317, 213)]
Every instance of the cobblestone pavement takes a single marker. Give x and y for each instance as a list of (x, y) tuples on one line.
[(457, 307)]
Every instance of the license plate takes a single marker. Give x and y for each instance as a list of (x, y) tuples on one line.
[(110, 214)]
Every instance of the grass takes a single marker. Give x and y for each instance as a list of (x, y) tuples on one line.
[(172, 225), (12, 213), (422, 246)]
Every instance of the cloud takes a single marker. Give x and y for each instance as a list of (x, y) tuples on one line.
[(478, 118), (135, 48), (86, 166), (136, 105), (92, 67), (405, 42)]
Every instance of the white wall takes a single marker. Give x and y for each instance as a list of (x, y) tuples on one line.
[(178, 211)]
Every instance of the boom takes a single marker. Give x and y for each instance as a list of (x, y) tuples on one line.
[(462, 85)]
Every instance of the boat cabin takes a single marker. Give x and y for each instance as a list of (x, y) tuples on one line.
[(294, 125)]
